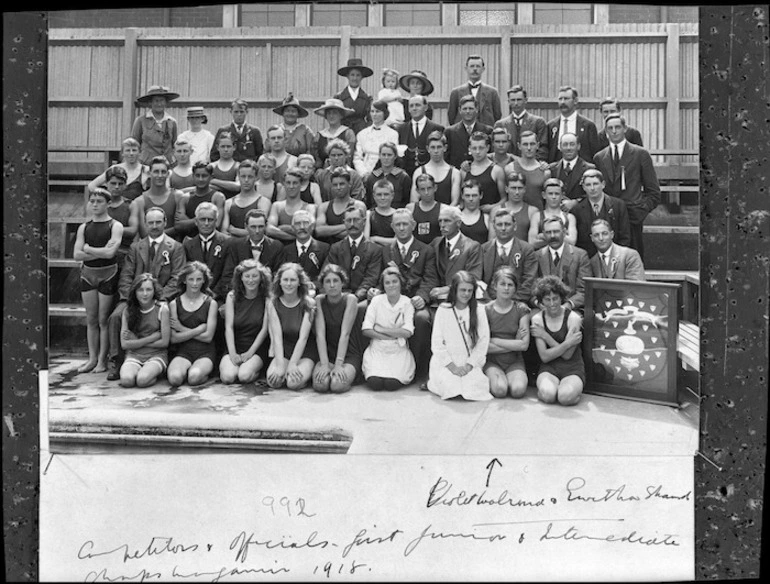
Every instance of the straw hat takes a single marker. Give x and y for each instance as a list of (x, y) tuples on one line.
[(330, 104), (415, 74), (155, 90), (197, 112), (291, 100), (355, 64)]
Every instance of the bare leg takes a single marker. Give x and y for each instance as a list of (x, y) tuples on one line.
[(91, 304)]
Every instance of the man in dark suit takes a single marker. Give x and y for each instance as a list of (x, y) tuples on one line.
[(208, 246), (305, 251), (158, 254), (359, 257), (608, 106), (507, 250), (247, 139), (561, 259), (613, 260), (569, 170), (414, 134), (256, 245), (599, 205), (572, 122), (520, 120), (630, 176), (417, 263), (487, 98), (454, 252), (458, 135), (354, 97)]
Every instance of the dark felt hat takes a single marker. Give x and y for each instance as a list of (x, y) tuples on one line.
[(291, 100), (155, 90), (355, 64), (427, 86)]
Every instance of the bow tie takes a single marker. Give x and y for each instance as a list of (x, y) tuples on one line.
[(376, 128), (475, 85), (256, 246)]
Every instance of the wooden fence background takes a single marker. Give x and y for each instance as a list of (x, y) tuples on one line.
[(95, 74)]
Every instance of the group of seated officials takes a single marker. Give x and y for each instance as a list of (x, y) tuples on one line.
[(442, 261)]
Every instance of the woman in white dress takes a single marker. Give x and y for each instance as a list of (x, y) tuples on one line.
[(459, 343), (388, 363)]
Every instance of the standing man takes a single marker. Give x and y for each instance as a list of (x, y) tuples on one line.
[(454, 252), (610, 105), (613, 260), (561, 259), (599, 205), (572, 122), (507, 250), (414, 134), (487, 98), (520, 120), (630, 176), (417, 263), (458, 135), (256, 245), (247, 139), (156, 253), (208, 246), (569, 170)]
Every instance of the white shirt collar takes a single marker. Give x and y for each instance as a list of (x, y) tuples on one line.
[(206, 239), (559, 250), (306, 244), (506, 247), (358, 241), (570, 118), (163, 119), (353, 92), (608, 253), (453, 241), (524, 113), (406, 245), (158, 240), (621, 147)]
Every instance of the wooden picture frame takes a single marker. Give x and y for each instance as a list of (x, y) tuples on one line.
[(630, 339)]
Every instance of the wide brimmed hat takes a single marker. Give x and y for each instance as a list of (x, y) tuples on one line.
[(197, 112), (155, 90), (427, 86), (291, 100), (355, 64), (332, 103)]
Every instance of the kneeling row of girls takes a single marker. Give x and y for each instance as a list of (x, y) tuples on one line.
[(330, 341)]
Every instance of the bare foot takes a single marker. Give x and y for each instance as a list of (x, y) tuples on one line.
[(87, 366), (100, 368)]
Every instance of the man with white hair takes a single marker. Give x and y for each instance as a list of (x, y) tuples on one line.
[(305, 250), (454, 252), (208, 246)]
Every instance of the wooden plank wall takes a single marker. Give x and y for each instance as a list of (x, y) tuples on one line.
[(91, 78)]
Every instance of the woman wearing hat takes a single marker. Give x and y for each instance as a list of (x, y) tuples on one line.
[(353, 97), (298, 138), (369, 140), (333, 110), (156, 131), (416, 83), (200, 139)]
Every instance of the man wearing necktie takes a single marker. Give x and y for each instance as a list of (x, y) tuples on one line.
[(166, 266), (508, 250), (486, 96), (256, 245), (570, 171), (520, 120), (630, 176), (209, 246), (613, 260), (247, 139), (454, 252), (306, 251), (569, 121), (559, 258), (599, 205), (458, 135), (610, 105), (414, 135)]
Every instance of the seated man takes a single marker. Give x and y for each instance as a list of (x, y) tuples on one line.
[(508, 250), (156, 253), (599, 205), (208, 246), (417, 263), (559, 258), (612, 260), (255, 245), (454, 252), (569, 170), (305, 251)]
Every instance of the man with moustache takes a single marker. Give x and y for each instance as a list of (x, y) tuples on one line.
[(569, 170), (208, 246), (611, 260), (520, 120), (486, 96), (630, 177), (454, 252), (156, 253), (507, 250), (417, 263), (458, 135), (414, 134), (256, 245), (561, 259), (572, 122), (599, 205), (608, 106), (305, 251)]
